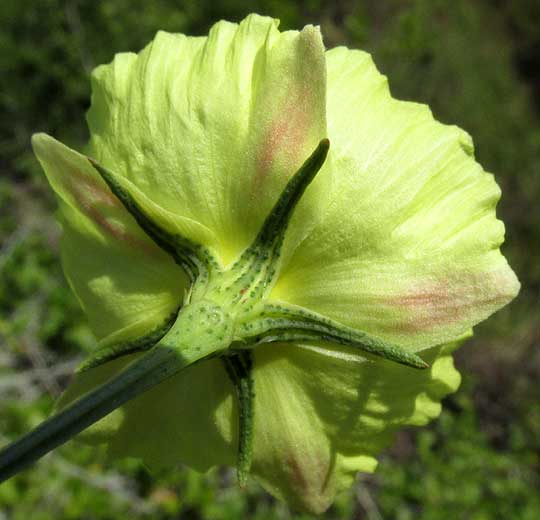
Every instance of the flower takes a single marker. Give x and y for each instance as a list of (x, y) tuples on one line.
[(193, 140)]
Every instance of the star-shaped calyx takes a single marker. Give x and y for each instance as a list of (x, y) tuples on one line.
[(227, 312)]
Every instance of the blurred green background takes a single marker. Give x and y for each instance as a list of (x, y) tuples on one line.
[(477, 63)]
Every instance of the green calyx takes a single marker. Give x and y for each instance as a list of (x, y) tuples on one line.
[(226, 313)]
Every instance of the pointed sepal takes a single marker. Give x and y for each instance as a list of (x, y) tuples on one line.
[(279, 322), (196, 260), (257, 267), (274, 227), (239, 368), (116, 350)]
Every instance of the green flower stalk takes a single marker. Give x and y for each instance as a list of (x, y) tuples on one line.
[(276, 256)]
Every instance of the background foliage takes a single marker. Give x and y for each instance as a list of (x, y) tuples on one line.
[(477, 63)]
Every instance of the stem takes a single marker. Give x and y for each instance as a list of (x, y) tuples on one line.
[(154, 367)]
